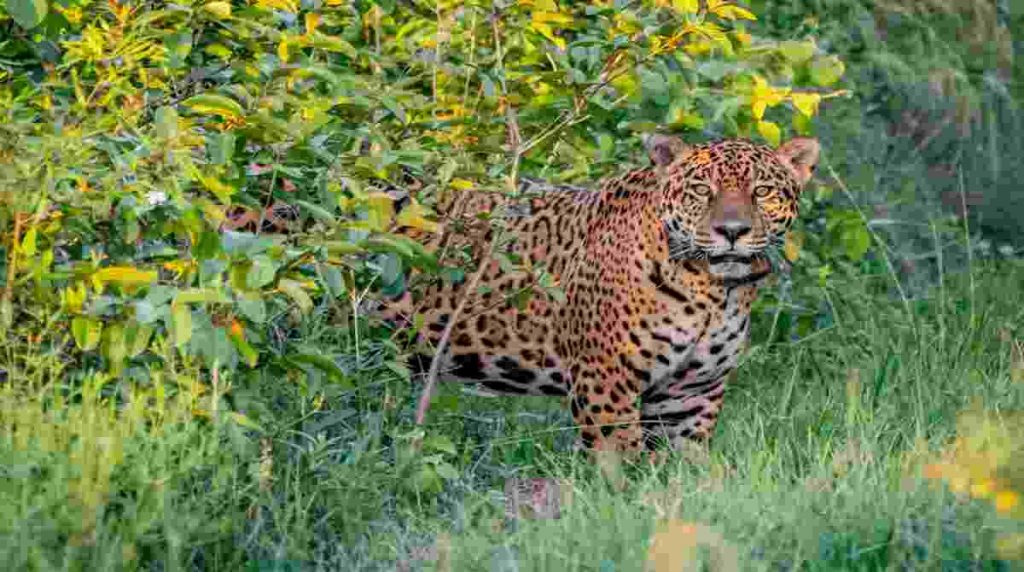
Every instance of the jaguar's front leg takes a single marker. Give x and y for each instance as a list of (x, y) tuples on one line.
[(679, 413), (603, 400)]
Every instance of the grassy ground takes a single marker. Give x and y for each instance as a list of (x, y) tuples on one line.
[(816, 464)]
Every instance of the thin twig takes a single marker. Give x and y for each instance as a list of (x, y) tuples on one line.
[(442, 344)]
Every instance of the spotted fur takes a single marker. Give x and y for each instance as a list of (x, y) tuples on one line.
[(659, 268)]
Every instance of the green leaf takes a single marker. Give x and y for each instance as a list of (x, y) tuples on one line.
[(770, 131), (797, 52), (333, 280), (318, 212), (856, 240), (250, 355), (27, 13), (28, 243), (333, 44), (261, 272), (245, 421), (166, 122), (441, 443), (322, 363), (294, 291), (125, 275), (253, 308), (181, 324), (86, 332), (214, 104), (446, 471), (138, 336), (428, 481), (826, 71)]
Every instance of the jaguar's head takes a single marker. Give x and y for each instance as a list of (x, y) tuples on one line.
[(730, 201)]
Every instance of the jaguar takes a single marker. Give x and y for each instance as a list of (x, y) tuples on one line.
[(640, 288)]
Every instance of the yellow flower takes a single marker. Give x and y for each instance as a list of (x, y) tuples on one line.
[(1006, 501)]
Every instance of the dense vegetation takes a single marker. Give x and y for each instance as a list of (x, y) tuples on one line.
[(195, 206)]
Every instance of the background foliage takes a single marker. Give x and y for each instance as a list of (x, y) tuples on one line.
[(197, 201)]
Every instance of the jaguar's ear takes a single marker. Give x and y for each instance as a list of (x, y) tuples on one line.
[(663, 149), (801, 156)]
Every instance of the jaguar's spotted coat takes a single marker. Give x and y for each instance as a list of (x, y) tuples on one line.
[(659, 268)]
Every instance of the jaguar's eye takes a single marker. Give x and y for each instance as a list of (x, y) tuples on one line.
[(700, 189), (762, 191)]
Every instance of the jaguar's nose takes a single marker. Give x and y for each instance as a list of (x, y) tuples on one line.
[(732, 229)]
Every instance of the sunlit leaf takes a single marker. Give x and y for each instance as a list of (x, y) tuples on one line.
[(414, 216), (86, 332), (797, 52), (763, 96), (827, 70), (806, 103), (732, 12), (770, 131), (28, 242), (125, 275), (380, 209), (221, 10), (214, 104), (284, 5)]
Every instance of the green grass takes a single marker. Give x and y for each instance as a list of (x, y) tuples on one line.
[(815, 464)]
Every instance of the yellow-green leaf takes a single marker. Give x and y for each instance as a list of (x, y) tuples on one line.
[(282, 49), (218, 50), (806, 103), (546, 31), (214, 104), (557, 18), (181, 324), (414, 216), (686, 6), (125, 275), (380, 209), (245, 421), (138, 337), (221, 10), (770, 131), (763, 96), (797, 52), (294, 291), (461, 184), (220, 189), (249, 354), (86, 332), (827, 71), (284, 5), (333, 44), (28, 243), (733, 12), (802, 125)]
